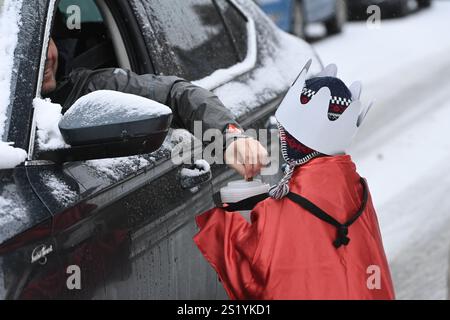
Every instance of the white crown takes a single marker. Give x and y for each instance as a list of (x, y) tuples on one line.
[(309, 123)]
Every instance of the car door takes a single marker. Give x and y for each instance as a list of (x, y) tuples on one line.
[(163, 258), (65, 198), (28, 257), (114, 223), (181, 38), (123, 227), (191, 39)]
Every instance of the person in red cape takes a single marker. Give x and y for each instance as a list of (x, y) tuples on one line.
[(316, 236)]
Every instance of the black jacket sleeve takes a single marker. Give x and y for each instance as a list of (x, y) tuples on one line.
[(189, 103)]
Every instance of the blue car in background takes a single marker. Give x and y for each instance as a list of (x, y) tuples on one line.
[(293, 15), (389, 8)]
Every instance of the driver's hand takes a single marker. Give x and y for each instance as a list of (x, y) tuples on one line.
[(247, 156)]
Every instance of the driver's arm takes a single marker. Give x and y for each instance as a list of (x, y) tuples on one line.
[(189, 103)]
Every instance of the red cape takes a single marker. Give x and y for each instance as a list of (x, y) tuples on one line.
[(287, 253)]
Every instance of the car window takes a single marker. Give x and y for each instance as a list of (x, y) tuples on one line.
[(5, 73), (193, 33), (88, 10), (236, 23), (82, 37)]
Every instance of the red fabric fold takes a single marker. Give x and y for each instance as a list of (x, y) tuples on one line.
[(287, 253)]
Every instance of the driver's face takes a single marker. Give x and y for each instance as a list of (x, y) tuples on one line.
[(51, 66)]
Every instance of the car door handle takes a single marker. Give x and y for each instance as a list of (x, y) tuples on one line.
[(194, 175)]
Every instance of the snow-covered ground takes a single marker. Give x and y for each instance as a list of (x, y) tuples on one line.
[(404, 147)]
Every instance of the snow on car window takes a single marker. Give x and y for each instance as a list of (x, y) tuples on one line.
[(9, 26), (222, 76), (236, 22), (271, 79), (193, 32), (281, 56), (194, 14)]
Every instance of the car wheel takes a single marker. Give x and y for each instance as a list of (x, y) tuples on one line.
[(298, 20), (336, 24), (424, 3)]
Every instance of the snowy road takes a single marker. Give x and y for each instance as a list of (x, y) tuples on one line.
[(404, 148)]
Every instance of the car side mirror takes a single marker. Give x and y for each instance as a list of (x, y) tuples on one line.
[(109, 124)]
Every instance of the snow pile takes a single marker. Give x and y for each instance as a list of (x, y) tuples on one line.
[(9, 26), (106, 107), (10, 156), (201, 167), (48, 115)]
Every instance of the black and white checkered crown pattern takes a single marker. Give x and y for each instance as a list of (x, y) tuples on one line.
[(334, 100)]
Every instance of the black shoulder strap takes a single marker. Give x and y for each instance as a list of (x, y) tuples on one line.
[(246, 204), (95, 57), (342, 238)]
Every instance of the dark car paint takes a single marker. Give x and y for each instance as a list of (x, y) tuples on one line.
[(130, 233)]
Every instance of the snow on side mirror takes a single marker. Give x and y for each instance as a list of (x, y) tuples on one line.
[(108, 116), (105, 124)]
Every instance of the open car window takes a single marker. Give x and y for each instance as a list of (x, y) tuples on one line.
[(88, 9), (81, 33), (82, 37)]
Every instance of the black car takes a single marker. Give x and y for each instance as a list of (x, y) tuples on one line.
[(389, 8), (74, 225)]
